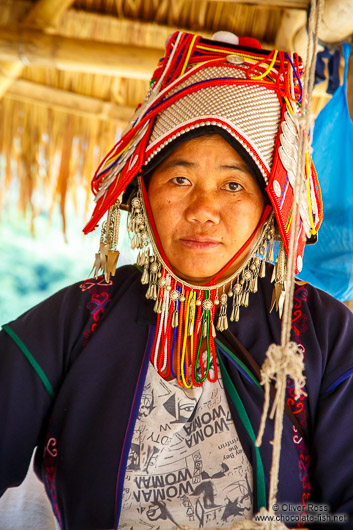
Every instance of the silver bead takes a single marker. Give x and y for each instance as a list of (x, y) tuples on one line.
[(207, 304), (224, 298), (154, 267), (174, 295), (247, 275), (237, 288)]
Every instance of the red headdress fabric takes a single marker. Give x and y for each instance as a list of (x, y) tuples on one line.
[(255, 95)]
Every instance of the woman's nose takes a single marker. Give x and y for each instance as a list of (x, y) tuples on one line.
[(202, 207)]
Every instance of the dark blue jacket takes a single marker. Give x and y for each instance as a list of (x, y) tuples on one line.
[(72, 371)]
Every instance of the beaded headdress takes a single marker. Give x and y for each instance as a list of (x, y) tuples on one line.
[(254, 96)]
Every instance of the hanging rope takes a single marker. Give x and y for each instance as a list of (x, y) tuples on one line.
[(286, 359)]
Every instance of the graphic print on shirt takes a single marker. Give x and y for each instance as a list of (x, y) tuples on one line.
[(186, 465)]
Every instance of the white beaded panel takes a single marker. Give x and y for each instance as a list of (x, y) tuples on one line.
[(254, 110)]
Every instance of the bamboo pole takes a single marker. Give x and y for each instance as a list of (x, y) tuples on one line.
[(44, 14), (80, 55), (63, 100), (295, 4)]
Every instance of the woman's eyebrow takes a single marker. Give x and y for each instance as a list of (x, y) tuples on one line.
[(235, 167), (181, 162), (177, 162)]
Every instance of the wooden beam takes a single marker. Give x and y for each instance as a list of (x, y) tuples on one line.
[(295, 4), (71, 102), (43, 14), (46, 13), (80, 55)]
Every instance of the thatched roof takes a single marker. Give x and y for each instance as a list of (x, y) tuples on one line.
[(71, 73)]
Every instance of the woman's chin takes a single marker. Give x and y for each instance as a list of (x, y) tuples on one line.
[(203, 271), (204, 275)]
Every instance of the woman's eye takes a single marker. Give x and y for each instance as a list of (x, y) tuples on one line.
[(181, 181), (232, 186)]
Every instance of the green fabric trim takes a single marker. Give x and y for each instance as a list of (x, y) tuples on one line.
[(260, 474), (239, 362), (30, 359)]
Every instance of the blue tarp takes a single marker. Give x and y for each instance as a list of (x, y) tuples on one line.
[(329, 263)]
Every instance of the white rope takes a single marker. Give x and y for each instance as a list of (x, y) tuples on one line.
[(286, 359)]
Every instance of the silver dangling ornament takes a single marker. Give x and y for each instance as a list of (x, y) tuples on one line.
[(151, 293), (174, 297), (278, 277), (106, 259), (222, 323)]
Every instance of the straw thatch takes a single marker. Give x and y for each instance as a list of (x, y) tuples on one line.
[(63, 111)]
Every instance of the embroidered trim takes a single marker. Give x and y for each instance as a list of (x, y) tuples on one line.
[(50, 454), (97, 303), (299, 407)]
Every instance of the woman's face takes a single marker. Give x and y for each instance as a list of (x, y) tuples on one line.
[(205, 204)]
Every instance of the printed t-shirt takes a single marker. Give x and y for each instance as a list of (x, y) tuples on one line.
[(186, 465)]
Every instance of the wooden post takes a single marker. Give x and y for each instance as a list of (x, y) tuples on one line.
[(44, 14)]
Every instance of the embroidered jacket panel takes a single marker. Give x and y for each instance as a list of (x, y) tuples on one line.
[(91, 341)]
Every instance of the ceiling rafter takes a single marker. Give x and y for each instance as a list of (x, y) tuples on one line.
[(66, 101), (295, 4), (33, 46), (45, 13)]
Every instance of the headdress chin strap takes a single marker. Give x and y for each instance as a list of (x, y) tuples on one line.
[(188, 315)]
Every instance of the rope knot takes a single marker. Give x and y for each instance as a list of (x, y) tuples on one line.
[(288, 359), (281, 361)]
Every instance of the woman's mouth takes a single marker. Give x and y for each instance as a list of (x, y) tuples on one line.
[(199, 243)]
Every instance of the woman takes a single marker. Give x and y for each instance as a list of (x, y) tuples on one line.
[(141, 388)]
